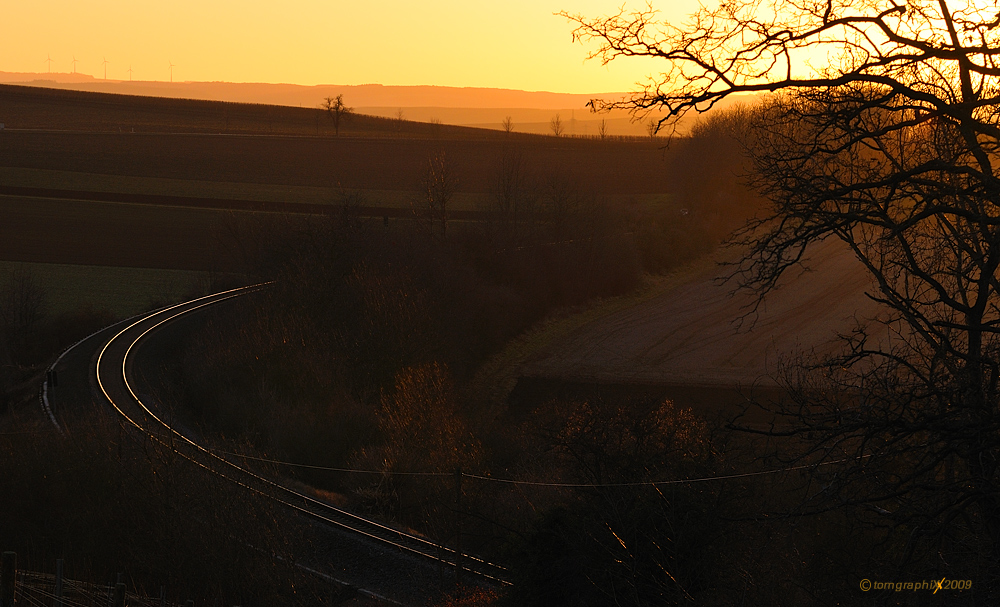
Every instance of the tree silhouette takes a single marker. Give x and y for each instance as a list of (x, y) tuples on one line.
[(891, 149), (437, 187), (337, 110), (507, 124), (652, 128), (556, 125), (512, 197)]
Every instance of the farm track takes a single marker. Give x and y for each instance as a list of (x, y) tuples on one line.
[(400, 557)]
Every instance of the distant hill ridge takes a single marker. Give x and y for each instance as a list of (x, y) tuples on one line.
[(530, 111), (310, 96)]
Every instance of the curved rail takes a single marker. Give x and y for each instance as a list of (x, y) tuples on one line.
[(109, 372)]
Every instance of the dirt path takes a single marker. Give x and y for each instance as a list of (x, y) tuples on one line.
[(690, 335)]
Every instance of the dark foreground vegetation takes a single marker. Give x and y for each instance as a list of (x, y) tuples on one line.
[(366, 354), (109, 503), (362, 364), (362, 372)]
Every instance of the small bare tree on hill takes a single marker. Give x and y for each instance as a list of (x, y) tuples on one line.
[(602, 129), (556, 125), (399, 120), (337, 110), (652, 128)]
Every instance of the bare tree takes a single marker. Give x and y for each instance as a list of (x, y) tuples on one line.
[(602, 129), (507, 125), (890, 149), (513, 196), (652, 128), (337, 110), (437, 187), (399, 120), (556, 125)]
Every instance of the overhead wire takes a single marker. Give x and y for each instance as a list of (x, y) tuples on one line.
[(511, 481), (331, 468)]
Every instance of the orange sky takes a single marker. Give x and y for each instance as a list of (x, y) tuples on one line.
[(516, 44)]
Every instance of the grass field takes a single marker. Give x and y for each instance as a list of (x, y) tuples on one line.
[(111, 234), (261, 192), (120, 291)]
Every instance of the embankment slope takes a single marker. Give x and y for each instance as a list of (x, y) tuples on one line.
[(699, 334)]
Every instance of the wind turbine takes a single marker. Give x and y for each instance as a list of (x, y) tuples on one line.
[(105, 67), (130, 72), (49, 61), (172, 66), (74, 64)]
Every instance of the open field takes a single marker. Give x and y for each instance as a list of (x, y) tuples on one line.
[(182, 140), (691, 335), (65, 140), (110, 234), (259, 192), (120, 291), (353, 163)]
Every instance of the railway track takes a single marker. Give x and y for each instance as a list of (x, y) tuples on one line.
[(115, 381)]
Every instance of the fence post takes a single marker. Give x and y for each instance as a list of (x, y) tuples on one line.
[(163, 596), (119, 600), (59, 583), (8, 571)]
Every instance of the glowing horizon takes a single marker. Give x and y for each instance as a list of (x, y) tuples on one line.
[(520, 45)]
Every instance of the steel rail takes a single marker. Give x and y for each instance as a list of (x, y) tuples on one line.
[(371, 529)]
